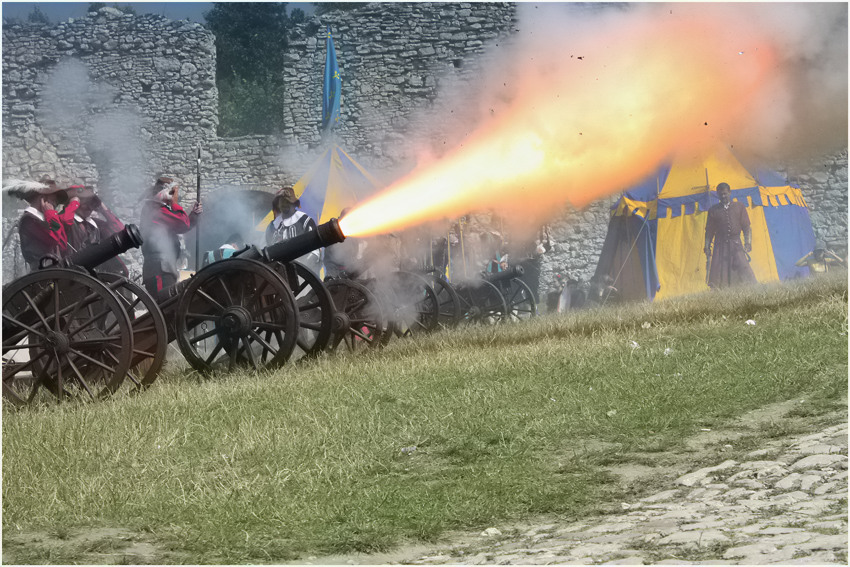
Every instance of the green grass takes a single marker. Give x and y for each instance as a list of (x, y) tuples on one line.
[(507, 423)]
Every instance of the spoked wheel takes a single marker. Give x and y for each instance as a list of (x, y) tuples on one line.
[(519, 299), (150, 335), (236, 313), (481, 302), (414, 304), (66, 333), (361, 319), (448, 302), (381, 293), (315, 308)]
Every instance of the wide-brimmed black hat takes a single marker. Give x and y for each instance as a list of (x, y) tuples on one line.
[(285, 194)]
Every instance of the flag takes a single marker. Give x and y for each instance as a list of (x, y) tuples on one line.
[(331, 90)]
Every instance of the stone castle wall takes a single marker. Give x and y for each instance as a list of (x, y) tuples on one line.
[(117, 98)]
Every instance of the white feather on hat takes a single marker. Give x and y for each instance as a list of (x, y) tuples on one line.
[(24, 189)]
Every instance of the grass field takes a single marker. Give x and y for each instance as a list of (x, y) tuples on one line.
[(463, 429)]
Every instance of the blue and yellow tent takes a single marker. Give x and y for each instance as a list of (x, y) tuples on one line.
[(654, 245), (334, 181)]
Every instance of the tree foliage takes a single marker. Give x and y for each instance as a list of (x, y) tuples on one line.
[(37, 16), (251, 40)]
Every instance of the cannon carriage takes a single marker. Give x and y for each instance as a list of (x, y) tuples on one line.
[(70, 332)]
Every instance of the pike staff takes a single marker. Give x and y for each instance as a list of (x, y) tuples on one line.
[(198, 227)]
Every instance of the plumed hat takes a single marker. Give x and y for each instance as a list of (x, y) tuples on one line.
[(28, 189)]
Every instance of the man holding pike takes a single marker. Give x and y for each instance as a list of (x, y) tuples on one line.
[(163, 220), (728, 261)]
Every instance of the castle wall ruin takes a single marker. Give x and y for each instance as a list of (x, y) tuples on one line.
[(118, 98)]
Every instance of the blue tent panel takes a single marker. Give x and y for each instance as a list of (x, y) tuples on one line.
[(791, 236)]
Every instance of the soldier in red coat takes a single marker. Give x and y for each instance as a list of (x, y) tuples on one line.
[(728, 261), (163, 220), (41, 228)]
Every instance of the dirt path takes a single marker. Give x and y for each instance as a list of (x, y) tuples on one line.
[(784, 503)]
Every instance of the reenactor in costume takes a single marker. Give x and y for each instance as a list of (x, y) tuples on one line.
[(728, 263), (41, 227), (162, 221), (820, 260), (289, 222)]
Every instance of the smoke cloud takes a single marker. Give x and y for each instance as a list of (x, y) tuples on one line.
[(586, 100), (88, 114)]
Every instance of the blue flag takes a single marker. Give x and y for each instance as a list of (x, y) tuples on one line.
[(332, 88)]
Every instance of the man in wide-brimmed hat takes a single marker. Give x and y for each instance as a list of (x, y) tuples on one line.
[(41, 230), (289, 222), (163, 220)]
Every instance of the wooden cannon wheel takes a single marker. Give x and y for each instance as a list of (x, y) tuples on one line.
[(361, 320), (66, 333), (236, 313), (519, 299), (413, 304), (315, 308), (481, 302), (448, 302), (150, 334)]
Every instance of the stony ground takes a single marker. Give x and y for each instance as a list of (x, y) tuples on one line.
[(787, 508), (783, 504)]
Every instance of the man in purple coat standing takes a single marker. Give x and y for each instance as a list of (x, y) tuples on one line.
[(728, 261)]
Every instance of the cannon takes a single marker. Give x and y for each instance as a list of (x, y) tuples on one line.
[(259, 308), (519, 299), (253, 309), (68, 332), (496, 297)]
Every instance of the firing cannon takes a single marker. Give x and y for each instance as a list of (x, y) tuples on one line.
[(259, 308), (69, 331), (255, 308)]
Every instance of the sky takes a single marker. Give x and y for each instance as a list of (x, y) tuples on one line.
[(61, 11)]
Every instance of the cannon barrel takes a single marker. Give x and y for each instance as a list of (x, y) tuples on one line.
[(325, 234), (96, 254), (512, 272)]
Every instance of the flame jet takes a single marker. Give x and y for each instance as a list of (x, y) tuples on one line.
[(585, 116)]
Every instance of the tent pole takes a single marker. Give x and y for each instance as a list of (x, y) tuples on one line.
[(462, 249), (449, 253)]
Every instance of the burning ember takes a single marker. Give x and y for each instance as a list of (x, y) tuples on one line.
[(577, 118)]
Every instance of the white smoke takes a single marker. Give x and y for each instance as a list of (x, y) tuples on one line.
[(90, 115)]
